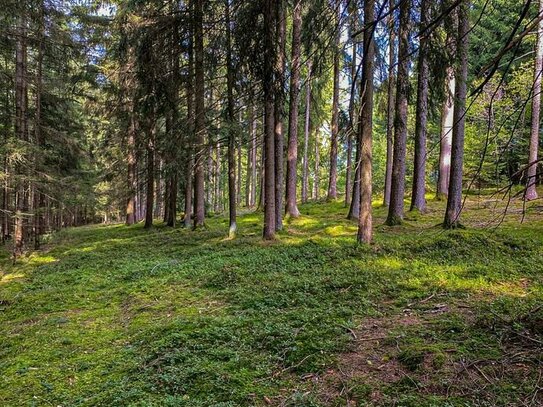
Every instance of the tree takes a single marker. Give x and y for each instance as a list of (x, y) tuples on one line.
[(232, 202), (307, 130), (365, 221), (454, 199), (269, 119), (531, 173), (418, 199), (395, 210), (332, 179), (292, 153), (199, 113), (279, 79), (390, 102)]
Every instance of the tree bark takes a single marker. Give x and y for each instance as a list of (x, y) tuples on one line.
[(150, 196), (270, 50), (332, 178), (447, 122), (531, 174), (199, 130), (316, 177), (396, 207), (292, 155), (390, 104), (278, 111), (232, 203), (365, 220), (418, 198), (454, 200), (307, 128), (352, 108)]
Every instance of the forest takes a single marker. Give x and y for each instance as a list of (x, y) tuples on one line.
[(292, 203)]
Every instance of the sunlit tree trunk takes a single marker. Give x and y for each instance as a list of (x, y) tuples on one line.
[(418, 199), (390, 102), (454, 199), (352, 107), (332, 177), (316, 175), (365, 220), (447, 122), (292, 154), (531, 173), (396, 207)]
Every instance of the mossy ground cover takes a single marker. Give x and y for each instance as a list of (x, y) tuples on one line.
[(116, 315)]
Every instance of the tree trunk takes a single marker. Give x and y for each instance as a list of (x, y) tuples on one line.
[(395, 210), (316, 177), (270, 50), (332, 178), (447, 122), (292, 155), (307, 128), (131, 172), (39, 196), (150, 196), (365, 220), (352, 108), (390, 104), (454, 200), (189, 163), (418, 199), (20, 132), (354, 208), (199, 130), (232, 203), (531, 178), (278, 111)]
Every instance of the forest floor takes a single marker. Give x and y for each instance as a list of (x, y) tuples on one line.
[(116, 315)]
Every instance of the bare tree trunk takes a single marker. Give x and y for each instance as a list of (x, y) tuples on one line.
[(20, 131), (352, 108), (232, 203), (354, 208), (418, 198), (454, 200), (531, 179), (316, 178), (150, 198), (278, 111), (365, 220), (332, 178), (39, 196), (447, 122), (269, 137), (199, 193), (307, 128), (292, 155), (251, 159), (189, 164), (395, 210), (131, 171), (390, 104)]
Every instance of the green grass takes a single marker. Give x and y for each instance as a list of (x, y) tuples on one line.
[(115, 315)]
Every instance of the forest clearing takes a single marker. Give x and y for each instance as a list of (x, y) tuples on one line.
[(117, 315), (212, 203)]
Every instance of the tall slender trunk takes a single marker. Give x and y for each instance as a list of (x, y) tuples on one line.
[(396, 207), (278, 111), (316, 177), (307, 129), (352, 107), (269, 114), (332, 177), (251, 159), (354, 208), (150, 195), (131, 170), (199, 128), (39, 196), (365, 220), (418, 199), (20, 132), (189, 159), (292, 154), (454, 200), (531, 174), (390, 103), (447, 122), (232, 203)]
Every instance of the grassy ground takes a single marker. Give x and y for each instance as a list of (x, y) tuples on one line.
[(115, 315)]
